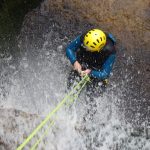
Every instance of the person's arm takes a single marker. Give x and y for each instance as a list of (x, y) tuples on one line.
[(106, 68), (72, 49)]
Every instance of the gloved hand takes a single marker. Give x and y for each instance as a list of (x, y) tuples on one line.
[(85, 72), (77, 66)]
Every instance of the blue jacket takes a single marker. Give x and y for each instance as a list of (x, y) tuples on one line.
[(107, 64)]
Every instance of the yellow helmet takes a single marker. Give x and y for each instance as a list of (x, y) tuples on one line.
[(94, 40)]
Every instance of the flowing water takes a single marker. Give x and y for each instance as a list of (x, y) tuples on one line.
[(35, 81)]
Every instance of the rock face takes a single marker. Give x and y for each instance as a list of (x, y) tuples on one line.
[(15, 126), (128, 20)]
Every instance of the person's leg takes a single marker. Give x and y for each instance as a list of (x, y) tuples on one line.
[(95, 88), (91, 94), (73, 78)]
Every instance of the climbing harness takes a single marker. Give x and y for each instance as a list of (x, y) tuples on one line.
[(68, 99)]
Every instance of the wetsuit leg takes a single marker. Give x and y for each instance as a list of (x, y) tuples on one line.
[(96, 88), (73, 78)]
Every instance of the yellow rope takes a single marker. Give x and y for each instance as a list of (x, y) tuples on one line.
[(78, 87), (44, 134)]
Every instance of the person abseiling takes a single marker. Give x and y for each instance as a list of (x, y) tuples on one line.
[(93, 53)]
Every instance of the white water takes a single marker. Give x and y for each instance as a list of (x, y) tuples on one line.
[(38, 84)]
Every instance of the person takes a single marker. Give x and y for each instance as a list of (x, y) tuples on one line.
[(92, 53)]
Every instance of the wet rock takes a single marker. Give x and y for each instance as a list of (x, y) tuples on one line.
[(3, 146), (128, 20), (122, 23), (13, 125)]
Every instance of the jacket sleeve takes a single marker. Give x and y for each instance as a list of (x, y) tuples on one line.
[(106, 68), (72, 49)]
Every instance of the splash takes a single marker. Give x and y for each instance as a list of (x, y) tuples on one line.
[(39, 82)]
